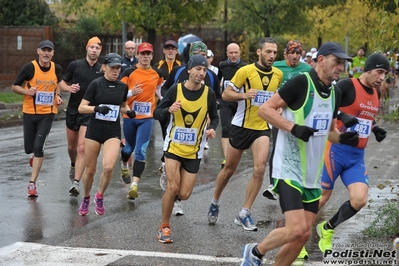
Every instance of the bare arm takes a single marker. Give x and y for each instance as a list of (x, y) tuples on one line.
[(73, 88), (20, 90), (229, 94), (85, 108), (124, 108), (269, 111)]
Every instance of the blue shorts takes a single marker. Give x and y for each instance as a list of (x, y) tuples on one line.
[(345, 161)]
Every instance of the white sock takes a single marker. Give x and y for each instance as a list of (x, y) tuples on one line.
[(243, 212)]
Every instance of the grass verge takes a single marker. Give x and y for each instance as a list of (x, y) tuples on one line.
[(10, 97)]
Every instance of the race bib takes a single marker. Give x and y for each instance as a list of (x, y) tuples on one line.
[(261, 97), (111, 116), (320, 121), (363, 127), (187, 136), (142, 108), (44, 98)]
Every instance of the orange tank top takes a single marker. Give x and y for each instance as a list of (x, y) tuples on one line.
[(365, 108), (45, 99)]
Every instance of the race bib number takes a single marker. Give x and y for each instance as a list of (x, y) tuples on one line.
[(320, 121), (363, 127), (187, 136), (261, 97), (44, 98), (112, 115), (142, 108)]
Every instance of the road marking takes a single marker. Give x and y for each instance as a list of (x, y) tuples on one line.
[(26, 252)]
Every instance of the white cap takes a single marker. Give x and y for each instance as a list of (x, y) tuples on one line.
[(314, 56), (309, 54), (209, 53), (313, 50)]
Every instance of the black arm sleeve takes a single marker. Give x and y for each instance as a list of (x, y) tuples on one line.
[(169, 81), (213, 112), (69, 71), (161, 111)]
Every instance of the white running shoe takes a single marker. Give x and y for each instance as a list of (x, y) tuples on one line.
[(177, 208)]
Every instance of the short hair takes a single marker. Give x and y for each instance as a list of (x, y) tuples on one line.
[(265, 40)]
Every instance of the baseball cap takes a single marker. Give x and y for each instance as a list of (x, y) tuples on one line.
[(46, 44), (333, 48), (313, 50), (145, 47), (197, 60), (170, 43), (197, 47), (294, 46), (309, 54), (314, 57), (94, 40), (209, 53), (375, 61), (112, 59)]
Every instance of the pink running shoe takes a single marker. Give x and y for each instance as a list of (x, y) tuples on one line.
[(32, 192), (99, 201), (84, 207)]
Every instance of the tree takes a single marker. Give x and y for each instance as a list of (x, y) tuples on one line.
[(272, 17), (151, 16), (26, 13)]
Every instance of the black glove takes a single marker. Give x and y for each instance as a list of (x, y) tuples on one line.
[(348, 120), (131, 114), (102, 109), (303, 132), (379, 133), (349, 138)]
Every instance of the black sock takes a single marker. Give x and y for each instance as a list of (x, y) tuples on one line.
[(345, 212), (177, 198), (256, 252), (33, 182)]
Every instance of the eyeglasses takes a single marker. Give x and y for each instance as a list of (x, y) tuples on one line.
[(130, 48)]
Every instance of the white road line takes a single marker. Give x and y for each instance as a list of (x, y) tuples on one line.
[(27, 252)]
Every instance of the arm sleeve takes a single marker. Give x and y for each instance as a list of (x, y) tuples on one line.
[(161, 111), (169, 81), (58, 72), (213, 113), (25, 74)]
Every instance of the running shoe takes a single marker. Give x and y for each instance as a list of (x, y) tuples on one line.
[(164, 235), (132, 194), (303, 254), (268, 193), (72, 173), (325, 242), (247, 223), (125, 175), (223, 164), (99, 202), (249, 259), (213, 214), (74, 190), (163, 181), (31, 160), (32, 192), (84, 207), (177, 208)]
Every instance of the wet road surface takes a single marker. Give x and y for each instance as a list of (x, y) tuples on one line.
[(126, 234)]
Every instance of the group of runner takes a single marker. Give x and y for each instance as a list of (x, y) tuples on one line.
[(317, 126)]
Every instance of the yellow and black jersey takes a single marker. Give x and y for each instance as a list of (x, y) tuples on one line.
[(186, 135), (254, 76)]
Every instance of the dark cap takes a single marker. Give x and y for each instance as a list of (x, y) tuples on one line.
[(112, 59), (170, 43), (46, 44), (333, 48), (375, 61), (197, 60)]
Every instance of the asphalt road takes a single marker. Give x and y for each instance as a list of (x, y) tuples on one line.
[(49, 230)]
